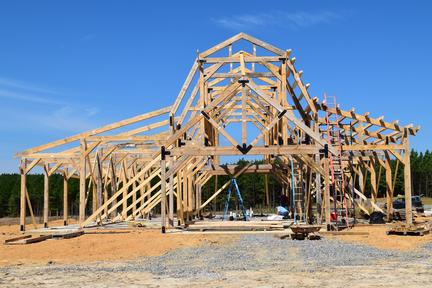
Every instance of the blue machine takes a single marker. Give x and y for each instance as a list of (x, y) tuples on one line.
[(239, 199)]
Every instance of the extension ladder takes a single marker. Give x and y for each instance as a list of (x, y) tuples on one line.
[(336, 168), (297, 190)]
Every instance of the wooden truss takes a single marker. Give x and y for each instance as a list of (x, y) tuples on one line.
[(242, 96)]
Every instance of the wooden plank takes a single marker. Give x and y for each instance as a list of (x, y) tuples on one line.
[(96, 131), (257, 150), (16, 238)]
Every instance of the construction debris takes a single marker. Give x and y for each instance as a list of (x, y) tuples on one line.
[(27, 239), (415, 229), (301, 232), (238, 226)]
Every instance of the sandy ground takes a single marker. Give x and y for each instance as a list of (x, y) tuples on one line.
[(378, 238), (53, 263), (358, 276), (119, 245)]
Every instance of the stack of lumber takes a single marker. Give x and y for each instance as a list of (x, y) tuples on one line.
[(26, 239), (31, 238), (237, 226), (418, 229)]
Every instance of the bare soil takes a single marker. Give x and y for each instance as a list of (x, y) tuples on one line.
[(107, 245), (56, 263)]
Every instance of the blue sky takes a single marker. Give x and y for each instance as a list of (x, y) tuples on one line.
[(68, 66)]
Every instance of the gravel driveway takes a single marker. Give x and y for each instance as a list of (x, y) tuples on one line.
[(252, 260)]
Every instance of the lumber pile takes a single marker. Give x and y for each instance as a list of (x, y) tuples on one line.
[(26, 239), (415, 229), (238, 226), (29, 238)]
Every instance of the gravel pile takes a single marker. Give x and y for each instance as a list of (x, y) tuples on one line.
[(254, 252)]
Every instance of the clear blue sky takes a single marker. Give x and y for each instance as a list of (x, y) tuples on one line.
[(68, 66)]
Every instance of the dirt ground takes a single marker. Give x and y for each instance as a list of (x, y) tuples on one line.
[(378, 238), (138, 242), (105, 245), (108, 259)]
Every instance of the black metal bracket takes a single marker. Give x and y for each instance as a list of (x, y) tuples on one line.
[(325, 151), (244, 149), (243, 82), (180, 143), (205, 115), (164, 153), (282, 113)]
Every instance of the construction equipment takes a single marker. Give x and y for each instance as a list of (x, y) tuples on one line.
[(232, 186)]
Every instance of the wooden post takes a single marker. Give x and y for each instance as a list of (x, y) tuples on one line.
[(83, 177), (215, 189), (407, 179), (318, 192), (65, 197), (389, 190), (113, 188), (361, 179), (98, 198), (327, 191), (23, 207), (373, 181), (46, 196), (134, 195), (163, 193), (171, 197), (190, 196), (180, 218), (125, 192), (266, 190)]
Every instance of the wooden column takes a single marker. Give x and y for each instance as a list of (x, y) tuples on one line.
[(46, 196), (215, 189), (318, 192), (185, 196), (373, 181), (190, 196), (83, 173), (99, 187), (134, 195), (407, 179), (180, 218), (327, 191), (65, 197), (267, 196), (171, 197), (163, 193), (125, 191), (23, 207), (113, 188), (389, 190)]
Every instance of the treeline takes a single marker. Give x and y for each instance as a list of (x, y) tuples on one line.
[(251, 187)]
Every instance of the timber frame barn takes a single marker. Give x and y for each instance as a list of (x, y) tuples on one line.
[(161, 159)]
